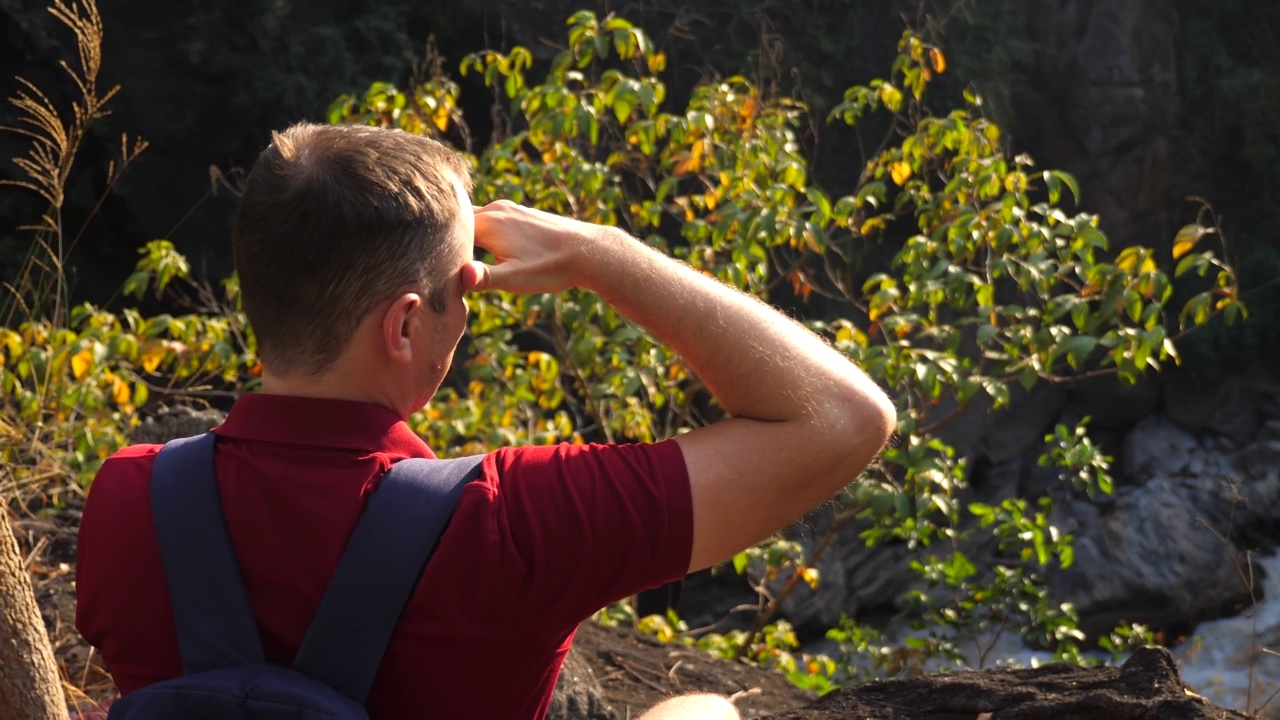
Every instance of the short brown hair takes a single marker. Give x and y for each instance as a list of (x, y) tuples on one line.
[(336, 219)]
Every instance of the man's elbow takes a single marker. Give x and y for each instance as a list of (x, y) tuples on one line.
[(869, 419)]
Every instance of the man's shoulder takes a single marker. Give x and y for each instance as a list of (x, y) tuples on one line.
[(143, 453), (126, 472)]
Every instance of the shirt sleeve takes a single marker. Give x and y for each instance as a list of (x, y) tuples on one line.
[(586, 525), (122, 603)]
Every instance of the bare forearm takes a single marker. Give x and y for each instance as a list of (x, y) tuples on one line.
[(758, 363)]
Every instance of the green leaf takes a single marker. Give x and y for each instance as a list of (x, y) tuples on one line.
[(1077, 349)]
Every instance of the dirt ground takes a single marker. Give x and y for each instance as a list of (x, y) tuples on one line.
[(635, 672)]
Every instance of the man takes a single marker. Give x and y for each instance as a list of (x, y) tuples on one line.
[(354, 248)]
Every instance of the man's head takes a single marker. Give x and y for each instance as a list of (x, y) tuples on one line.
[(336, 220)]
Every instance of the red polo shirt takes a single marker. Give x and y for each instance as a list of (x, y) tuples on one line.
[(544, 538)]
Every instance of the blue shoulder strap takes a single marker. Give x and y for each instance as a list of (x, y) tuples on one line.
[(361, 607), (379, 570), (215, 624)]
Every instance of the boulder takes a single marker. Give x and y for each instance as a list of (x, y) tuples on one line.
[(1111, 403), (1004, 434), (1230, 408), (1156, 446), (1162, 556), (578, 695), (176, 421), (1230, 661), (1146, 686), (854, 578)]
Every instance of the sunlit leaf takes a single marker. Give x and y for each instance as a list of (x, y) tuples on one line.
[(120, 391), (151, 354), (938, 60), (1186, 239), (900, 172), (891, 97), (80, 363)]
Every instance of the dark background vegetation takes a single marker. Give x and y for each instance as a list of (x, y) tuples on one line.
[(205, 83)]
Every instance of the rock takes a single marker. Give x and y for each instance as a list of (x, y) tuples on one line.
[(1161, 557), (1227, 660), (1024, 425), (1147, 686), (1102, 92), (577, 695), (1111, 403), (1258, 468), (1230, 408), (854, 578), (1002, 435), (1270, 431), (1156, 446), (176, 422)]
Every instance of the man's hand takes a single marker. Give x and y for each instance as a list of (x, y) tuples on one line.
[(536, 251)]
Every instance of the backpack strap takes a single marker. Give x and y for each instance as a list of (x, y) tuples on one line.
[(211, 611), (379, 570)]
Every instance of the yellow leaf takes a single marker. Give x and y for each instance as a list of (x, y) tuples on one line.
[(872, 225), (747, 114), (810, 576), (711, 199), (901, 172), (657, 63), (441, 117), (153, 352), (120, 390), (915, 49), (699, 149), (1186, 239), (1128, 260), (80, 363), (891, 97), (938, 60)]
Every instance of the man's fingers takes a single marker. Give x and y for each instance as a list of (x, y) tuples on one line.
[(476, 276)]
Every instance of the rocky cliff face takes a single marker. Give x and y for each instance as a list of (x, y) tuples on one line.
[(1103, 104)]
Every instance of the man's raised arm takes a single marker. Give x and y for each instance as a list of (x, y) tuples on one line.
[(805, 421)]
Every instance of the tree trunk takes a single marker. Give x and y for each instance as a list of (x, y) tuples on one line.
[(29, 683)]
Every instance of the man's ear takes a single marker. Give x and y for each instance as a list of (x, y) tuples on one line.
[(399, 324)]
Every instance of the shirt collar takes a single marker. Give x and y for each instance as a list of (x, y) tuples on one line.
[(321, 422)]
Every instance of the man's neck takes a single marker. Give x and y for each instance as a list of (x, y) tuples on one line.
[(332, 386)]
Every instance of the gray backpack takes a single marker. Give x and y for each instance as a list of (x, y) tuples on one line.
[(226, 675)]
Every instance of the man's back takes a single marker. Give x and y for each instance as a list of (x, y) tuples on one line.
[(545, 537)]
